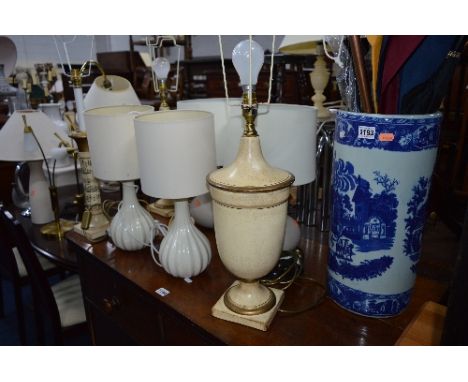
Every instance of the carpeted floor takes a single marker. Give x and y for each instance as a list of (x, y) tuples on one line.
[(8, 323)]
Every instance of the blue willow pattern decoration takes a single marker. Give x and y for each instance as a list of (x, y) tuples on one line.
[(410, 134), (370, 304), (415, 221), (367, 222)]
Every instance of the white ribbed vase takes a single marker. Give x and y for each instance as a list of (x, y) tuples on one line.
[(132, 227), (184, 251)]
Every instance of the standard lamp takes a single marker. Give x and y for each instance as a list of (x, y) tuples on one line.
[(111, 139), (311, 45), (176, 151), (17, 144), (250, 200)]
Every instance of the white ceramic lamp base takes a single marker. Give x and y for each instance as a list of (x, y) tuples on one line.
[(132, 227), (39, 195), (259, 321), (184, 251)]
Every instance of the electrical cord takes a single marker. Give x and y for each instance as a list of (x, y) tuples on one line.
[(290, 267)]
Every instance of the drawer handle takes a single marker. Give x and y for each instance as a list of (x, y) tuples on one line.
[(110, 304)]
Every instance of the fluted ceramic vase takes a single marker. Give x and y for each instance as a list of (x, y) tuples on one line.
[(381, 179), (132, 228), (184, 251)]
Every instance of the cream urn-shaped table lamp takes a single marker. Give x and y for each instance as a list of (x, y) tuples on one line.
[(250, 208)]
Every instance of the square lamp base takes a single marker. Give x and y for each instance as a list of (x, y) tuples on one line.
[(92, 234), (258, 321)]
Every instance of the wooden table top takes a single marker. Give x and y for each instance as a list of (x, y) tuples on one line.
[(326, 324)]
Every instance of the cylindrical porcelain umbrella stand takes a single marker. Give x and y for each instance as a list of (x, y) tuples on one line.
[(382, 168)]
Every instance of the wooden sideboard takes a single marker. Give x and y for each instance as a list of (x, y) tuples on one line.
[(123, 307)]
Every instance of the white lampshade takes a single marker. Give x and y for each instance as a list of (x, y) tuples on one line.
[(176, 151), (8, 54), (287, 134), (121, 93), (221, 112), (16, 146), (111, 140), (295, 44)]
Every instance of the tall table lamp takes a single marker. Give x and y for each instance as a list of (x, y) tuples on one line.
[(105, 91), (17, 144), (250, 199), (311, 45), (176, 151), (111, 139)]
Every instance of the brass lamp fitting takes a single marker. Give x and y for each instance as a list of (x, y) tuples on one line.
[(107, 84), (163, 94), (75, 78), (249, 112)]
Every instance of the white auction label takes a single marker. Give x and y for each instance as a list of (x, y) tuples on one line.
[(163, 292), (366, 132)]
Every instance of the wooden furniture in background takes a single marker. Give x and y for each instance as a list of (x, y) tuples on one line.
[(204, 79)]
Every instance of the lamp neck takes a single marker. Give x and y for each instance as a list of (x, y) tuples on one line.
[(249, 112), (181, 212), (163, 94), (129, 195)]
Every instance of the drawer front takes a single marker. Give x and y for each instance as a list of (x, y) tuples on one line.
[(121, 303), (178, 331)]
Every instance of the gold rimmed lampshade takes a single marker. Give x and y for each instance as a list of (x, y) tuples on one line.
[(311, 45), (16, 145), (112, 146)]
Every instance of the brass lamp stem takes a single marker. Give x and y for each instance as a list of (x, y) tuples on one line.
[(249, 112), (163, 94)]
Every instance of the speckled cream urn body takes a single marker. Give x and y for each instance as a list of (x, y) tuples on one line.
[(250, 210)]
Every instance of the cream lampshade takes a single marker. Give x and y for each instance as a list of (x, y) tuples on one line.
[(311, 45), (111, 140), (224, 113), (176, 151), (121, 93), (288, 134), (16, 145), (8, 55)]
